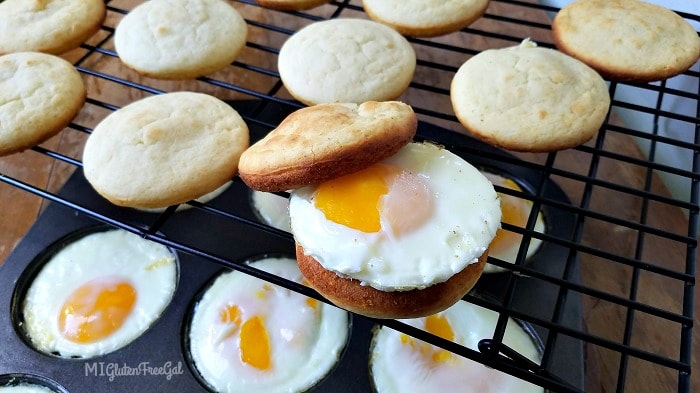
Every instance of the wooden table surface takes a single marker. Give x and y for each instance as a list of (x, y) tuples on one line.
[(20, 209)]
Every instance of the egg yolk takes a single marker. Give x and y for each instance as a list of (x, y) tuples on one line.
[(253, 338), (439, 326), (376, 198), (255, 344), (514, 211), (230, 315), (96, 309)]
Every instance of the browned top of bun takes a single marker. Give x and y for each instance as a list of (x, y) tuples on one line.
[(349, 294), (325, 141)]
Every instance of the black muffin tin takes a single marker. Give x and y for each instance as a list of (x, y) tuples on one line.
[(225, 233)]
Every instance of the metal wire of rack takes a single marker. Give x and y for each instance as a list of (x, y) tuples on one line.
[(637, 248)]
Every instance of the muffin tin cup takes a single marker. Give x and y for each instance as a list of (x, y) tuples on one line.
[(224, 235), (11, 380)]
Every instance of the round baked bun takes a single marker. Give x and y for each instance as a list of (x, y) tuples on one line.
[(351, 295), (165, 150), (402, 238), (531, 99), (180, 39), (325, 141), (346, 60), (425, 18), (45, 26), (40, 96), (627, 40)]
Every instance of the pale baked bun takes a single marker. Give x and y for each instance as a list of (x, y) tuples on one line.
[(351, 295), (49, 26), (527, 98), (425, 18), (627, 40), (346, 60), (165, 150), (180, 39), (40, 95), (325, 141)]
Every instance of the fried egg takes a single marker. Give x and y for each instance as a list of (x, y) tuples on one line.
[(408, 222), (401, 363), (247, 335), (272, 209), (515, 211), (98, 293)]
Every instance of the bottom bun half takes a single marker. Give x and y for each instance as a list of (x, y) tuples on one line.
[(350, 294)]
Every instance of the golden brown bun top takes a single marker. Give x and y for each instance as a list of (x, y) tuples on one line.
[(325, 141)]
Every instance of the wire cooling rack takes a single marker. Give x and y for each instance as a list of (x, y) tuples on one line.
[(625, 258)]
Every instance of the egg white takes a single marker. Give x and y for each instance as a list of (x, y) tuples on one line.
[(272, 209), (149, 267), (206, 198), (511, 253), (399, 367), (465, 219), (305, 342), (25, 388)]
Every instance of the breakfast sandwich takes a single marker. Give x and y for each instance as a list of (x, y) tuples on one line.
[(383, 226)]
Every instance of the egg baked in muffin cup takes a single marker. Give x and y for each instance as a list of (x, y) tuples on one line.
[(97, 293), (401, 363), (249, 336), (383, 226), (515, 211)]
